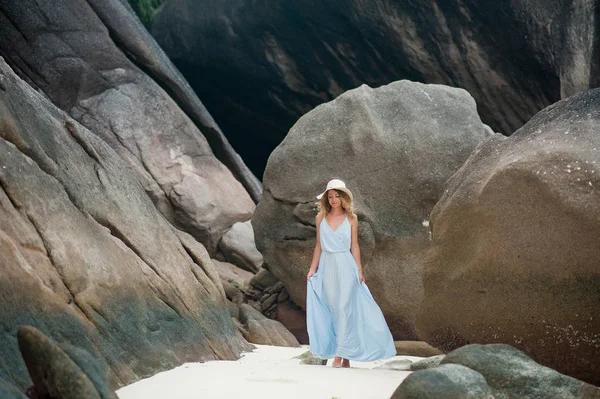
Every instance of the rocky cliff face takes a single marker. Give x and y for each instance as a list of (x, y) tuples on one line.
[(259, 66), (86, 257), (94, 60)]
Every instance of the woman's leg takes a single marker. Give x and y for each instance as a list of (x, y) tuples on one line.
[(346, 363)]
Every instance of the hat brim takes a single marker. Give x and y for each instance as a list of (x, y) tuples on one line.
[(344, 189)]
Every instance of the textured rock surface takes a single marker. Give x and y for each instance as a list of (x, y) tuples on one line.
[(427, 363), (56, 374), (419, 135), (262, 331), (259, 67), (450, 381), (9, 391), (263, 280), (232, 274), (515, 252), (513, 374), (69, 51), (86, 258), (238, 247), (131, 37), (416, 348), (91, 368), (233, 293)]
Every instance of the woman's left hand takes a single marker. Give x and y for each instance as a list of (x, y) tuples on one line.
[(361, 278)]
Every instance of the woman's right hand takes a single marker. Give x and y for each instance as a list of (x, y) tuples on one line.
[(310, 274)]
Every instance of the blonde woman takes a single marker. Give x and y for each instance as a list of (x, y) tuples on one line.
[(343, 320)]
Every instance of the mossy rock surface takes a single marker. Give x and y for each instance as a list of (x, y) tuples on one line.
[(146, 9)]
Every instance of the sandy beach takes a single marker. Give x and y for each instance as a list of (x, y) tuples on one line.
[(269, 372)]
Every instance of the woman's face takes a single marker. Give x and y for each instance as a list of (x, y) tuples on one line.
[(334, 199)]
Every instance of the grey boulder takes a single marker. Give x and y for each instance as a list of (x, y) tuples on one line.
[(238, 247), (515, 253), (450, 381), (395, 147), (513, 374)]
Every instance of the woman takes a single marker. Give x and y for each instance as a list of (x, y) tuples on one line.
[(343, 320)]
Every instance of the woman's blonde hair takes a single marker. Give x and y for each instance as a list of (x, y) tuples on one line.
[(347, 204)]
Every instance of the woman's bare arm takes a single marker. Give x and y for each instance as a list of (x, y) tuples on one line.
[(354, 248), (317, 252)]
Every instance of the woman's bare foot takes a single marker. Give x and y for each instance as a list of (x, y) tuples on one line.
[(346, 363), (337, 362)]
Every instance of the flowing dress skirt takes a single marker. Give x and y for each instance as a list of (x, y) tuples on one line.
[(342, 316)]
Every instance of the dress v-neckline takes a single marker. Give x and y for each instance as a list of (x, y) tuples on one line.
[(337, 228)]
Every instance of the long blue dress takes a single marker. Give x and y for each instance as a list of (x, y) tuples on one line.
[(341, 315)]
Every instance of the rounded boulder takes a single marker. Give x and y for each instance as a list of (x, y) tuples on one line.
[(515, 244), (395, 147)]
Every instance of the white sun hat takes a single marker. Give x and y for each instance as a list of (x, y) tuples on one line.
[(335, 184)]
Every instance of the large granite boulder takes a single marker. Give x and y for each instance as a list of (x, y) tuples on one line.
[(515, 252), (513, 374), (492, 371), (260, 66), (86, 258), (94, 60), (395, 147)]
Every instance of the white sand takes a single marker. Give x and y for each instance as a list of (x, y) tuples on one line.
[(269, 372)]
